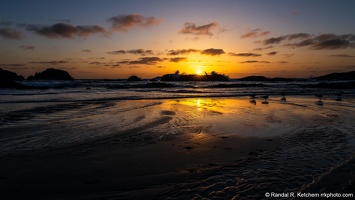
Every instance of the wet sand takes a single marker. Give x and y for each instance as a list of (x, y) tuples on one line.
[(180, 149)]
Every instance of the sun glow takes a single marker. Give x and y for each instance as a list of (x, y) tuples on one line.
[(198, 72)]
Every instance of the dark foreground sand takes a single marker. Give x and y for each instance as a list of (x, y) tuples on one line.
[(192, 148)]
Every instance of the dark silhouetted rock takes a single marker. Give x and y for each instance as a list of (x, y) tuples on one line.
[(193, 77), (254, 78), (345, 76), (51, 74), (134, 78), (6, 75)]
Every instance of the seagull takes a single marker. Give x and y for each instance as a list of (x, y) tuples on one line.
[(283, 96), (319, 96), (252, 96), (320, 102), (253, 101), (265, 97)]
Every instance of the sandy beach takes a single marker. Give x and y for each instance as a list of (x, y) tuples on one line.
[(189, 148)]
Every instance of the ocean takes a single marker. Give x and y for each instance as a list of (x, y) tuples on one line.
[(84, 115)]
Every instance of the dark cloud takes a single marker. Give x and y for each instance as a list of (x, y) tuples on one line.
[(61, 30), (191, 28), (123, 62), (244, 54), (315, 42), (10, 33), (298, 36), (260, 49), (178, 59), (141, 52), (272, 53), (274, 40), (117, 52), (95, 58), (212, 52), (12, 65), (254, 61), (255, 33), (332, 44), (182, 52), (123, 23), (24, 47), (86, 50), (51, 62), (147, 61), (342, 56), (6, 23), (97, 63), (283, 62)]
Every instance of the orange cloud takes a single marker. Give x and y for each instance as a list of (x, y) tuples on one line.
[(191, 28)]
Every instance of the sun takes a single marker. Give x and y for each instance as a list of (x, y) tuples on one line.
[(198, 72)]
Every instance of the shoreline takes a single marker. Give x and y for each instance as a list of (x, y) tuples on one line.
[(214, 147)]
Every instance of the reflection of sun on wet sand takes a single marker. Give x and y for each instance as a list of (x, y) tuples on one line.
[(187, 148)]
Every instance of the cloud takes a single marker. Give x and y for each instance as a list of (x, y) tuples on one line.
[(255, 33), (10, 33), (283, 62), (274, 40), (12, 65), (182, 52), (253, 61), (298, 36), (62, 30), (342, 56), (24, 47), (260, 49), (272, 53), (86, 51), (147, 61), (117, 52), (212, 52), (122, 23), (141, 52), (244, 54), (51, 62), (6, 23), (178, 59), (315, 42), (191, 28)]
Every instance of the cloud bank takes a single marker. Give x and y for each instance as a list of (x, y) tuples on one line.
[(61, 30), (255, 33), (191, 28), (10, 33), (315, 42), (123, 23)]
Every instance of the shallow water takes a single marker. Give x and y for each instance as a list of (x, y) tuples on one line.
[(315, 139)]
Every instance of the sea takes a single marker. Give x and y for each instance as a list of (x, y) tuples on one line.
[(73, 109)]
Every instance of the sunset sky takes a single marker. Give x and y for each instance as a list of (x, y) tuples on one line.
[(116, 39)]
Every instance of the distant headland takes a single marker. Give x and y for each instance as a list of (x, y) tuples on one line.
[(214, 76), (344, 80)]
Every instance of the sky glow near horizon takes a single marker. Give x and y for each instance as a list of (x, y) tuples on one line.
[(116, 39)]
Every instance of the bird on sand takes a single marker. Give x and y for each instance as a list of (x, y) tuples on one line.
[(320, 102), (265, 97), (283, 96), (319, 96)]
